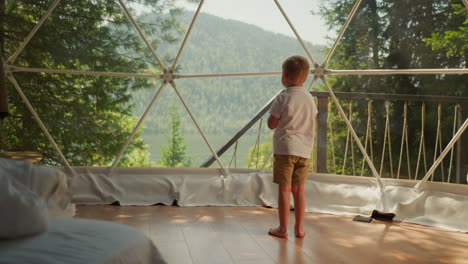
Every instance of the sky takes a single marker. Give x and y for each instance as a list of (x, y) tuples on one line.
[(266, 14)]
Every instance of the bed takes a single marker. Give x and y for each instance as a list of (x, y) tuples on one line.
[(37, 224), (74, 240)]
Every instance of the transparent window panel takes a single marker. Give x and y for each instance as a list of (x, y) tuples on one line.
[(168, 132), (22, 138), (258, 145), (98, 36), (309, 24), (86, 116), (165, 25), (19, 25), (407, 131), (165, 132), (219, 44), (395, 35), (142, 92), (221, 106)]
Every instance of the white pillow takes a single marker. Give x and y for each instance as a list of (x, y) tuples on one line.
[(22, 211), (49, 183)]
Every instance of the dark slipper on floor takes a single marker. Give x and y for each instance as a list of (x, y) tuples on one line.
[(382, 216)]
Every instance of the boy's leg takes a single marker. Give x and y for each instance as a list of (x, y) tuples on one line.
[(299, 209), (282, 173), (299, 178), (284, 191)]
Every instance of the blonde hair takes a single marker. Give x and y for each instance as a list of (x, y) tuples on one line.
[(296, 68)]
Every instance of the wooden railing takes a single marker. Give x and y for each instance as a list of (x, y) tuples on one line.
[(322, 125)]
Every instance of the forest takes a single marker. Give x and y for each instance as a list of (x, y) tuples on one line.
[(91, 117)]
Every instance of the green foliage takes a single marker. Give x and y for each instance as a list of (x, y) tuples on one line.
[(259, 153), (452, 41), (138, 158), (90, 118), (395, 34), (216, 45), (173, 154)]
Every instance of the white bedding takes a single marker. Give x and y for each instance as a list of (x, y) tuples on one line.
[(50, 184), (72, 240), (23, 212)]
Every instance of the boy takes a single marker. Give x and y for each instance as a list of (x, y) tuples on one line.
[(292, 115)]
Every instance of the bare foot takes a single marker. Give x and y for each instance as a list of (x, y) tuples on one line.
[(300, 235), (299, 232), (277, 233)]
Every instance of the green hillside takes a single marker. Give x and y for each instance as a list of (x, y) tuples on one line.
[(221, 105), (217, 45)]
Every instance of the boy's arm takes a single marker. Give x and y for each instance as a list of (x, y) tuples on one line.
[(275, 113), (272, 122)]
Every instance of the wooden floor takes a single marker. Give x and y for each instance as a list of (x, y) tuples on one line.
[(239, 235)]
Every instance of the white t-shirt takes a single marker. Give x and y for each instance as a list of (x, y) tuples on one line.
[(296, 111)]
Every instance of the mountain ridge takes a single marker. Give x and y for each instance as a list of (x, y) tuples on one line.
[(219, 46)]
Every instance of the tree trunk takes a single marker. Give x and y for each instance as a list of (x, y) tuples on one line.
[(3, 91)]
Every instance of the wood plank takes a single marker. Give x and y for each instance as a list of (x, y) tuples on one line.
[(166, 232), (258, 222), (203, 242), (241, 246), (239, 235)]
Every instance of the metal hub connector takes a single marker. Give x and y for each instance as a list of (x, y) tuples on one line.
[(319, 71), (168, 76)]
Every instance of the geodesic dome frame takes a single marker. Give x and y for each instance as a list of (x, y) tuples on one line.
[(335, 194), (320, 71)]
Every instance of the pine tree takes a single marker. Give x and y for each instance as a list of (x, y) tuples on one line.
[(396, 34), (173, 154), (453, 37), (89, 117)]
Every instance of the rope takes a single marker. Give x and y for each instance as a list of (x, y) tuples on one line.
[(440, 148), (234, 157), (438, 143), (348, 139), (389, 140), (350, 111), (355, 136), (455, 118), (256, 146), (407, 149), (452, 142), (404, 139), (332, 136), (368, 135), (267, 161), (352, 141), (422, 143), (258, 140), (387, 135)]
